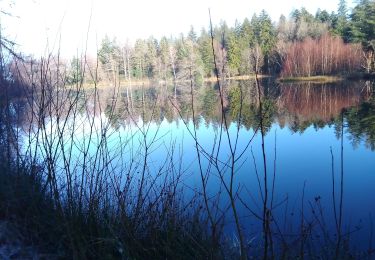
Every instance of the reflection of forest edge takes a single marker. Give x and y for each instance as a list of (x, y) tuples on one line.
[(295, 105)]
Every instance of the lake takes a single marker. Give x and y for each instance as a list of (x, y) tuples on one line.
[(301, 155)]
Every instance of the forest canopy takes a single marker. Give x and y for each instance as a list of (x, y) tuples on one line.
[(301, 45)]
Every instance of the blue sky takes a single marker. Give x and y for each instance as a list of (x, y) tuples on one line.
[(40, 25)]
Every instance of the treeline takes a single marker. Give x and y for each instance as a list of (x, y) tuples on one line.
[(303, 44)]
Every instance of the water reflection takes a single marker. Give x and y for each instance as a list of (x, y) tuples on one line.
[(296, 106), (361, 123), (326, 118)]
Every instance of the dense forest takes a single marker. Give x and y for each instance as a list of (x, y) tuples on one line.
[(301, 45)]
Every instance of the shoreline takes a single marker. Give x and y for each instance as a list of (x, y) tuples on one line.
[(148, 82), (328, 78), (312, 79)]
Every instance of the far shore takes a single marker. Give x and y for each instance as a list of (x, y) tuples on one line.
[(149, 82)]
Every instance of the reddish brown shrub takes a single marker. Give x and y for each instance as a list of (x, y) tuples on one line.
[(325, 56)]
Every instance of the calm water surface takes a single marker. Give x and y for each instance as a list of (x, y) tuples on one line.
[(305, 151)]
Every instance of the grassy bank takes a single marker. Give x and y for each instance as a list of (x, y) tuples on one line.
[(317, 79), (329, 79)]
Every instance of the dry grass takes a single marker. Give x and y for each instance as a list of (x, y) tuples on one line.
[(312, 79)]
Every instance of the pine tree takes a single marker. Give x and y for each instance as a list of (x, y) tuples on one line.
[(108, 50), (164, 57), (247, 33), (363, 22), (109, 56), (342, 21), (362, 29), (323, 16), (255, 26), (267, 36), (192, 35), (234, 52), (205, 50), (151, 57), (75, 75), (139, 58)]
